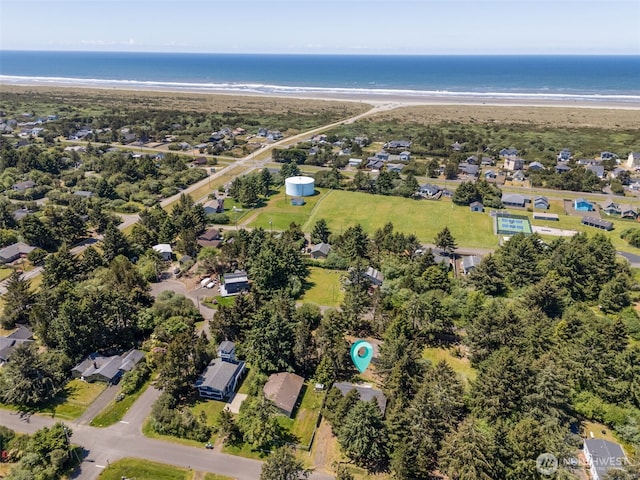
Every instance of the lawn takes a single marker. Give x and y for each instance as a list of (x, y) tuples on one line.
[(5, 272), (149, 432), (115, 411), (139, 469), (307, 414), (323, 287), (211, 408), (279, 213), (461, 366), (74, 400)]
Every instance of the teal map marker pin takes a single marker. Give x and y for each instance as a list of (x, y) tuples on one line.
[(361, 354)]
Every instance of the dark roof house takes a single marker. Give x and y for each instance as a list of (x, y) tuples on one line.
[(14, 251), (22, 186), (321, 250), (220, 379), (470, 263), (374, 276), (365, 391), (597, 223), (234, 283), (210, 238), (8, 344), (513, 200), (227, 351), (100, 368), (283, 389), (603, 456)]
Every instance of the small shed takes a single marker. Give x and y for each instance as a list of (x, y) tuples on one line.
[(476, 207)]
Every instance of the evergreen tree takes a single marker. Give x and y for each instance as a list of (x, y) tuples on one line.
[(114, 243), (445, 241), (320, 232), (283, 465), (258, 423), (17, 301), (362, 436)]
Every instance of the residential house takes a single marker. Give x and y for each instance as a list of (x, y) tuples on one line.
[(541, 203), (100, 368), (374, 163), (513, 164), (476, 207), (597, 223), (365, 391), (382, 155), (472, 160), (320, 250), (508, 152), (15, 251), (361, 141), (615, 173), (564, 155), (518, 176), (513, 200), (374, 276), (490, 175), (355, 162), (220, 379), (22, 186), (227, 351), (399, 144), (20, 213), (468, 169), (487, 162), (587, 161), (603, 456), (627, 211), (597, 169), (546, 216), (210, 238), (83, 193), (582, 205), (395, 167), (633, 160), (535, 166), (456, 147), (429, 190), (608, 156), (283, 389), (405, 156), (164, 249), (9, 343), (561, 168), (233, 283), (610, 207), (200, 161), (274, 135), (470, 263)]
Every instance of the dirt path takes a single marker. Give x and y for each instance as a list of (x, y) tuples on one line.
[(324, 451)]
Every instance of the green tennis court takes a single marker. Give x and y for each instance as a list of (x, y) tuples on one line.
[(508, 224)]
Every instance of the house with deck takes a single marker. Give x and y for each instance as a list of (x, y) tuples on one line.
[(220, 379)]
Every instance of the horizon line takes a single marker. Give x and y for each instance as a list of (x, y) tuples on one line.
[(395, 54)]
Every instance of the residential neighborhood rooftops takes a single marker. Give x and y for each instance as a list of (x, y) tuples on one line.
[(283, 389), (15, 251), (365, 391)]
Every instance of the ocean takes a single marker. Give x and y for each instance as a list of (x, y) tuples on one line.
[(589, 78)]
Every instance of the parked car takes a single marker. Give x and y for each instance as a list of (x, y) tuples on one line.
[(211, 284)]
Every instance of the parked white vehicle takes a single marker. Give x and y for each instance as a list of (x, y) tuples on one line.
[(211, 284), (205, 281)]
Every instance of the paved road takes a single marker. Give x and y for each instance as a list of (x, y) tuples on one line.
[(125, 439)]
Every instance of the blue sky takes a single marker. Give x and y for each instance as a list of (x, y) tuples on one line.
[(315, 26)]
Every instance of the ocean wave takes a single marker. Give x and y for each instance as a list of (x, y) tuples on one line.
[(266, 89)]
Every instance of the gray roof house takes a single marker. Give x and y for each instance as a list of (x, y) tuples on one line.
[(470, 263), (476, 207), (14, 251), (22, 186), (374, 276), (603, 456), (541, 202), (284, 389), (513, 200), (99, 368), (164, 249), (365, 391), (234, 283), (429, 189), (227, 351), (321, 250), (9, 343), (220, 379), (597, 223)]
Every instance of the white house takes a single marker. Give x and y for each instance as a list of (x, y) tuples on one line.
[(164, 249), (633, 160)]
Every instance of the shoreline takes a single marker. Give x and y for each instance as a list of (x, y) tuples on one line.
[(382, 99)]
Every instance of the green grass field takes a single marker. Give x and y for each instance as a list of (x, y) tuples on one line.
[(342, 209), (115, 411), (461, 366), (73, 401), (323, 287), (211, 408), (307, 414), (138, 469)]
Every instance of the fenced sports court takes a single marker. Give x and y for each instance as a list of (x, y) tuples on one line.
[(510, 224)]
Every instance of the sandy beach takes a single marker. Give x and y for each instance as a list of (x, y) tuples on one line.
[(548, 111)]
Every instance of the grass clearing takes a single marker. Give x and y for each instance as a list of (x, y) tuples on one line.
[(461, 366), (5, 273), (73, 401), (148, 431), (211, 408), (323, 287), (115, 411), (144, 470), (307, 414)]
